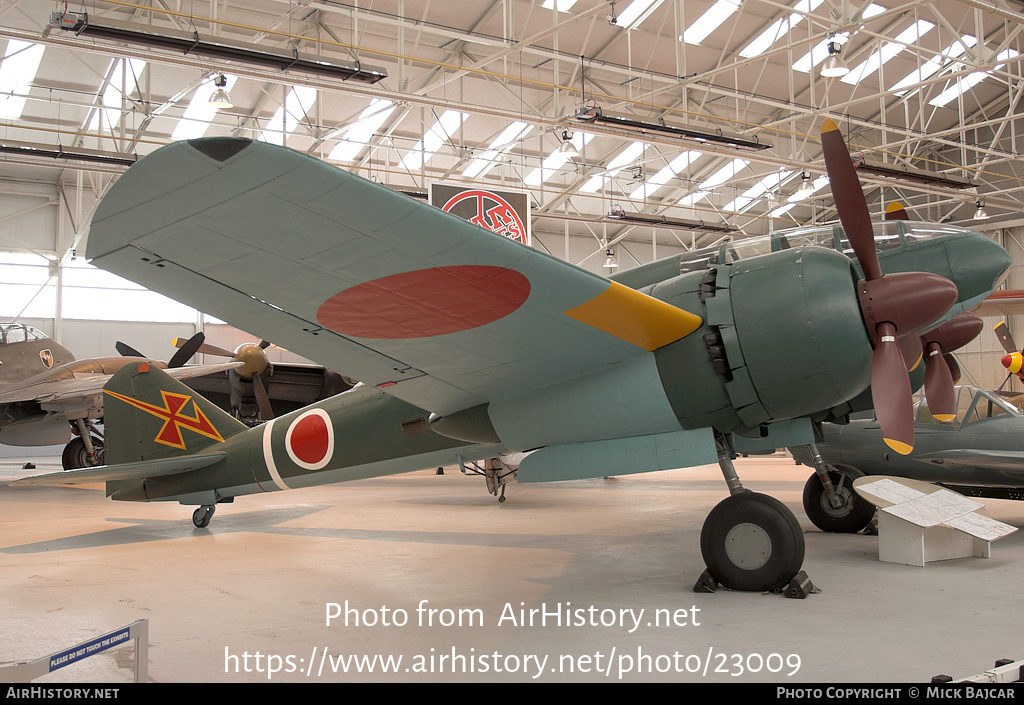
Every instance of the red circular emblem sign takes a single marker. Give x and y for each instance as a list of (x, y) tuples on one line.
[(492, 212)]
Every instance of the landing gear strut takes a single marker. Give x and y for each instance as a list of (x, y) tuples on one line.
[(495, 472), (831, 502), (750, 541)]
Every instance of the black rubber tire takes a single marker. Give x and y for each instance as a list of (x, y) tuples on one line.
[(201, 517), (751, 541), (856, 512), (75, 456)]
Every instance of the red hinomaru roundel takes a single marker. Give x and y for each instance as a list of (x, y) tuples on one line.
[(309, 440)]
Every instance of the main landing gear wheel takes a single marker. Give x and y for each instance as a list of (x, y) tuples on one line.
[(201, 517), (76, 456), (751, 541), (853, 514)]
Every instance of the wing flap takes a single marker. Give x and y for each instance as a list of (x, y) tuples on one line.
[(126, 471)]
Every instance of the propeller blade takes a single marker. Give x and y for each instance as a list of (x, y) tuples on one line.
[(187, 350), (849, 199), (938, 385), (1003, 333), (912, 349), (896, 211), (126, 350), (954, 367), (262, 399), (891, 393), (205, 348)]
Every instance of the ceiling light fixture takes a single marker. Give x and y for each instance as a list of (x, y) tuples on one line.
[(220, 97), (567, 148), (834, 66), (193, 44), (659, 221), (981, 213), (594, 114), (907, 173), (806, 186), (610, 262)]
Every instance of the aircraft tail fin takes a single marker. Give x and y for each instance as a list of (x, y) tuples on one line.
[(148, 415)]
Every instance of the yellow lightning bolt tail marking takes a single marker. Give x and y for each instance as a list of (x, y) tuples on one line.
[(636, 318), (171, 435)]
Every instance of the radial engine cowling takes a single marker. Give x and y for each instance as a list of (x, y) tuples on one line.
[(785, 335)]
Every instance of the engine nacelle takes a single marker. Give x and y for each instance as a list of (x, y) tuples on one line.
[(783, 333)]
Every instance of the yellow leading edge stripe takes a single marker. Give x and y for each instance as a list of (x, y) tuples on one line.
[(636, 318)]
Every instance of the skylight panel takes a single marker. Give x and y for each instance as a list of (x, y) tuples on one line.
[(782, 210), (196, 119), (357, 135), (890, 49), (724, 174), (779, 28), (442, 131), (555, 160), (487, 161), (626, 156), (757, 190), (969, 81), (18, 70), (299, 101), (931, 67), (637, 12), (124, 78), (710, 21), (662, 177), (560, 5), (691, 198)]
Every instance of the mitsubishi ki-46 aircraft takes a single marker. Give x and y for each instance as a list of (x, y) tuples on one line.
[(471, 348)]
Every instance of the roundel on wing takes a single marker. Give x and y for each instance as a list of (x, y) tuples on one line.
[(309, 440), (425, 302)]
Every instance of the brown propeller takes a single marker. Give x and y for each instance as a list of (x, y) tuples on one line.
[(893, 304), (938, 377)]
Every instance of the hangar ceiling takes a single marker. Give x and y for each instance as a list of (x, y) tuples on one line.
[(710, 109)]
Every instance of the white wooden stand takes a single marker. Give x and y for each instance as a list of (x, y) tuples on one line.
[(920, 522)]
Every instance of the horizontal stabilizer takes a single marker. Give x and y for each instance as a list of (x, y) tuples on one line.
[(126, 471)]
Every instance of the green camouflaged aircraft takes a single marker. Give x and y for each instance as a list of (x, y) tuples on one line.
[(473, 348)]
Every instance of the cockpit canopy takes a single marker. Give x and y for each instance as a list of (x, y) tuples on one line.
[(974, 404), (889, 235), (19, 333)]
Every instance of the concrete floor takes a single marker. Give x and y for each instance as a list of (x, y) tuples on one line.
[(260, 579)]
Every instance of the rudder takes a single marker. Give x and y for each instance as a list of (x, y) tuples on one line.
[(149, 415)]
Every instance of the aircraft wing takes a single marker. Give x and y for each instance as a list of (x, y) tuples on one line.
[(442, 313), (1012, 460), (126, 471), (1008, 302), (83, 386)]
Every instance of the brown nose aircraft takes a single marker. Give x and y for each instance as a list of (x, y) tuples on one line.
[(47, 397)]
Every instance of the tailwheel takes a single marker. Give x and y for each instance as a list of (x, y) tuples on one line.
[(751, 541), (201, 517), (844, 513)]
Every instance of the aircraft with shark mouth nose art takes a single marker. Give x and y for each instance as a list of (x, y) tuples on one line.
[(473, 348)]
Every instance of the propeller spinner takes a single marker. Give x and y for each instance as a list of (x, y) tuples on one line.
[(893, 304)]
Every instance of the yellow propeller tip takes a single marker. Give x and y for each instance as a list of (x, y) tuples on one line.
[(944, 418), (899, 446), (829, 125)]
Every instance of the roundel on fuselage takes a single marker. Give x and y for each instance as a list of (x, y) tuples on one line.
[(309, 440)]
